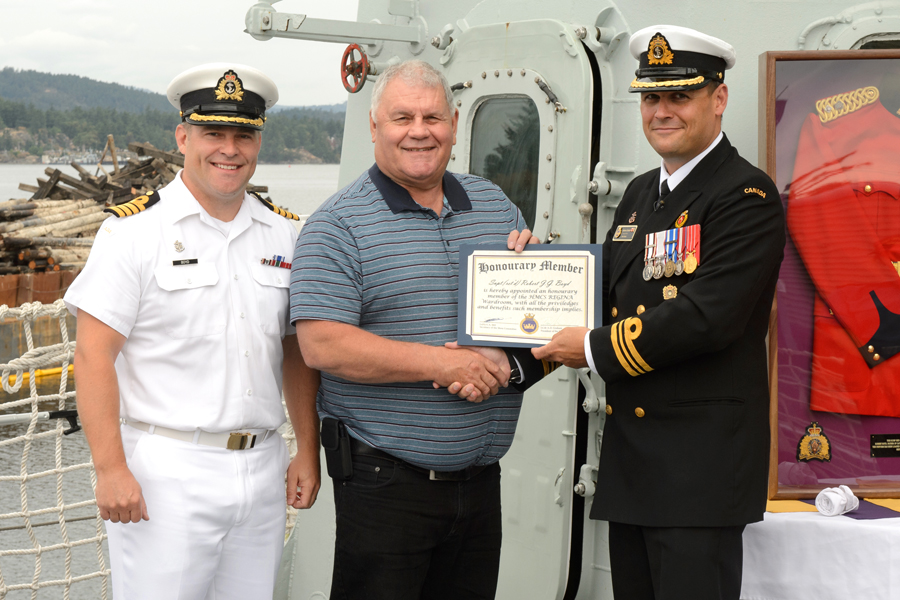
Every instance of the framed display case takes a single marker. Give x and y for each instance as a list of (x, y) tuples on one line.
[(830, 138)]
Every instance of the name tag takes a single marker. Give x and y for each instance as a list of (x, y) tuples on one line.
[(624, 233), (184, 261)]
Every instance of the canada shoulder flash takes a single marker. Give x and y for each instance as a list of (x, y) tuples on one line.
[(275, 209), (133, 206)]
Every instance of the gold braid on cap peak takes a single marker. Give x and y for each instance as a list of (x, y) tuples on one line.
[(275, 209), (216, 118), (623, 335), (134, 206), (832, 107), (669, 83)]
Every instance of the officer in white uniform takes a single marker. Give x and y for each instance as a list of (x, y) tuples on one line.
[(183, 341)]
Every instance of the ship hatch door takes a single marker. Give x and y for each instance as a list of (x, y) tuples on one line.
[(525, 123)]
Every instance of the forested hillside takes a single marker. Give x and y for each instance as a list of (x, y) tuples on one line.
[(65, 92), (33, 124)]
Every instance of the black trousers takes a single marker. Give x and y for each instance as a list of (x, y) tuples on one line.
[(401, 536), (676, 563)]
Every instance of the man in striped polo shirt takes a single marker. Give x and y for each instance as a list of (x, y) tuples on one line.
[(374, 298)]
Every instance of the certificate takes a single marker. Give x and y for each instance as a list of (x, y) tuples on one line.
[(521, 300)]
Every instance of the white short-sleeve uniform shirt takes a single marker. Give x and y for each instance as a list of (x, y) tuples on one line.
[(203, 316)]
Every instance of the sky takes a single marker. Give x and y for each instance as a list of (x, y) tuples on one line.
[(146, 43)]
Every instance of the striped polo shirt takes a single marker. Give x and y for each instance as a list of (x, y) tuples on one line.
[(373, 258)]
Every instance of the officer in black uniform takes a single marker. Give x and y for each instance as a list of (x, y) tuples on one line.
[(690, 266)]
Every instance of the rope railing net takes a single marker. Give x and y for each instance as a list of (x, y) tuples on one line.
[(27, 439), (28, 434)]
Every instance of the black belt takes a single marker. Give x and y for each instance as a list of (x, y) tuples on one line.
[(358, 448)]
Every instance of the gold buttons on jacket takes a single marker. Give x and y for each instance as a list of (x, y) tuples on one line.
[(641, 309), (868, 189), (639, 412), (608, 409), (614, 312), (871, 349), (876, 357)]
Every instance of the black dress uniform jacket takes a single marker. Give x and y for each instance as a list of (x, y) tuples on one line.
[(686, 438)]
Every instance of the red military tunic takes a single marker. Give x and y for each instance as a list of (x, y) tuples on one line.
[(844, 217)]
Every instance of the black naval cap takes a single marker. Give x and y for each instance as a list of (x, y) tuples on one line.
[(223, 94), (676, 58)]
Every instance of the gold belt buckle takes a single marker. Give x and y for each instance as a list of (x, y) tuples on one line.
[(241, 441)]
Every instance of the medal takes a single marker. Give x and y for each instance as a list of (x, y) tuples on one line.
[(679, 252), (690, 263), (659, 264), (670, 268), (692, 248), (670, 292), (670, 252), (648, 244)]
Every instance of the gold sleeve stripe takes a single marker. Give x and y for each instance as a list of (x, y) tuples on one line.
[(625, 362), (669, 83), (632, 331), (549, 366), (622, 336), (221, 119)]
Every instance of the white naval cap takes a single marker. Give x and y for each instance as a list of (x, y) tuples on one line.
[(678, 58), (223, 94)]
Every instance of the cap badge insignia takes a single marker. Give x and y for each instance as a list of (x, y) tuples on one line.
[(230, 87), (632, 217), (814, 445), (681, 220), (658, 52), (179, 247), (670, 292)]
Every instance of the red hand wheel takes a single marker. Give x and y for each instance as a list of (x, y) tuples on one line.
[(354, 71)]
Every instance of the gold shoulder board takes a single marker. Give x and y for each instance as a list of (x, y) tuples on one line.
[(134, 206), (275, 209), (839, 105)]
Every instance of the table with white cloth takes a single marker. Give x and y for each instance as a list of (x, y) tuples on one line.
[(799, 555)]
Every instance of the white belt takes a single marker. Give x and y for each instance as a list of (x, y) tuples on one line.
[(243, 440)]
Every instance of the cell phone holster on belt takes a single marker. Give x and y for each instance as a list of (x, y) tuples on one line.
[(336, 442)]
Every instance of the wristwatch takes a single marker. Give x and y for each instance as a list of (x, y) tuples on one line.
[(515, 373)]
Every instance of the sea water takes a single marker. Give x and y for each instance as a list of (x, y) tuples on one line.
[(298, 188)]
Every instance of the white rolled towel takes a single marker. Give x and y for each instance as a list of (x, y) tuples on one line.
[(836, 501)]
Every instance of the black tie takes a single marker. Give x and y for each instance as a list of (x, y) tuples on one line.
[(663, 192)]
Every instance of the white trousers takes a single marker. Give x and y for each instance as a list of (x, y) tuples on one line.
[(216, 528)]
